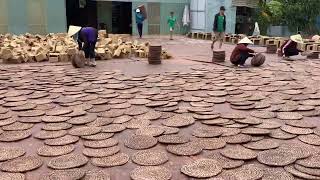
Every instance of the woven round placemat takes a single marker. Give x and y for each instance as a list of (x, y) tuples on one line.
[(291, 169), (140, 101), (112, 113), (248, 171), (101, 152), (238, 152), (269, 124), (136, 110), (101, 144), (68, 161), (98, 136), (263, 144), (122, 119), (311, 171), (118, 159), (225, 162), (66, 174), (310, 139), (301, 124), (276, 173), (173, 139), (150, 115), (289, 116), (279, 134), (58, 111), (233, 116), (100, 121), (310, 162), (113, 128), (202, 168), (276, 157), (51, 151), (97, 175), (187, 149), (207, 132), (296, 130), (43, 134), (299, 149), (84, 131), (238, 139), (17, 126), (150, 131), (12, 176), (230, 131), (99, 109), (22, 164), (61, 141), (11, 136), (179, 120), (217, 121), (150, 173), (206, 117), (25, 107), (210, 143), (249, 120), (54, 119), (139, 142), (150, 157), (255, 131), (8, 121), (263, 114), (9, 152), (56, 126)]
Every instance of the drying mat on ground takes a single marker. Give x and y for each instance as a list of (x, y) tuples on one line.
[(17, 126), (56, 126), (121, 119), (179, 121), (97, 175), (113, 128), (140, 142), (238, 139), (276, 158), (289, 116), (11, 136), (100, 122), (269, 124), (301, 124), (207, 132), (263, 114), (54, 119), (8, 152), (82, 119), (150, 173), (101, 144), (187, 149), (225, 162), (150, 115), (276, 173), (255, 131), (65, 174), (250, 121), (238, 152), (137, 123), (310, 139), (263, 144), (299, 174), (97, 137), (43, 134), (311, 171), (297, 148), (12, 176), (310, 162), (150, 157), (173, 139), (58, 111), (136, 110), (68, 161), (230, 131), (8, 121), (84, 131), (65, 140), (22, 164), (202, 168), (118, 159), (296, 130), (249, 171), (279, 134), (150, 131), (51, 151), (210, 143), (101, 152), (31, 113)]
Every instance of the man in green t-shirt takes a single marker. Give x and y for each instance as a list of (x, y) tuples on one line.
[(172, 23), (219, 27)]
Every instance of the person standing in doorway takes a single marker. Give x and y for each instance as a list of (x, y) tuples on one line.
[(219, 27), (139, 20), (172, 20)]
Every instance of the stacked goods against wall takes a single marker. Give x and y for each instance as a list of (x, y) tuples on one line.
[(60, 48)]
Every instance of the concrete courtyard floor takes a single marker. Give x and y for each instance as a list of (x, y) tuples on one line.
[(187, 117)]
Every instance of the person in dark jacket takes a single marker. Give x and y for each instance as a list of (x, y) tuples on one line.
[(290, 47), (87, 39), (219, 27), (241, 52), (139, 20)]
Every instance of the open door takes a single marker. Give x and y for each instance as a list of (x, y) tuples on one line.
[(81, 13)]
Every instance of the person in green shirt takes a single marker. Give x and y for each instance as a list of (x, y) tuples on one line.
[(219, 27), (172, 23)]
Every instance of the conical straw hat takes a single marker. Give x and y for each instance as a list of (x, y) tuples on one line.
[(245, 40), (73, 30), (297, 38)]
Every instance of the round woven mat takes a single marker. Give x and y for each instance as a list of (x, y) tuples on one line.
[(101, 144), (238, 139), (255, 131), (58, 111), (43, 134), (101, 152), (150, 157), (65, 140), (11, 136), (8, 121), (310, 162), (173, 139), (112, 113), (250, 121), (97, 137), (8, 152), (276, 158), (202, 168), (263, 144), (263, 114), (84, 131), (22, 164), (68, 161), (301, 124), (225, 162), (187, 149), (136, 110), (207, 132), (179, 121), (311, 171), (56, 126), (150, 173), (150, 131), (101, 121), (97, 175), (66, 174), (276, 173), (291, 169), (238, 152), (269, 124), (310, 139), (279, 134), (140, 142), (118, 159), (210, 143), (248, 171), (12, 176), (17, 126), (54, 119), (296, 130), (113, 128), (122, 119), (50, 151), (289, 116)]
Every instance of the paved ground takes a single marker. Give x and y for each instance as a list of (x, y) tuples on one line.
[(203, 119)]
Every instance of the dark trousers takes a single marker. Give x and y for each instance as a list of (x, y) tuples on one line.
[(88, 49), (140, 28), (291, 52), (242, 58)]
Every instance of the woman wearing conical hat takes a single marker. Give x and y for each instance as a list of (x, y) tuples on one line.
[(290, 47), (241, 52)]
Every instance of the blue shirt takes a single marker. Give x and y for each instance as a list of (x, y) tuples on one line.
[(139, 18)]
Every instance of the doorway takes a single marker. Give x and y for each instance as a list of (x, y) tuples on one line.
[(244, 21), (121, 17), (81, 13)]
